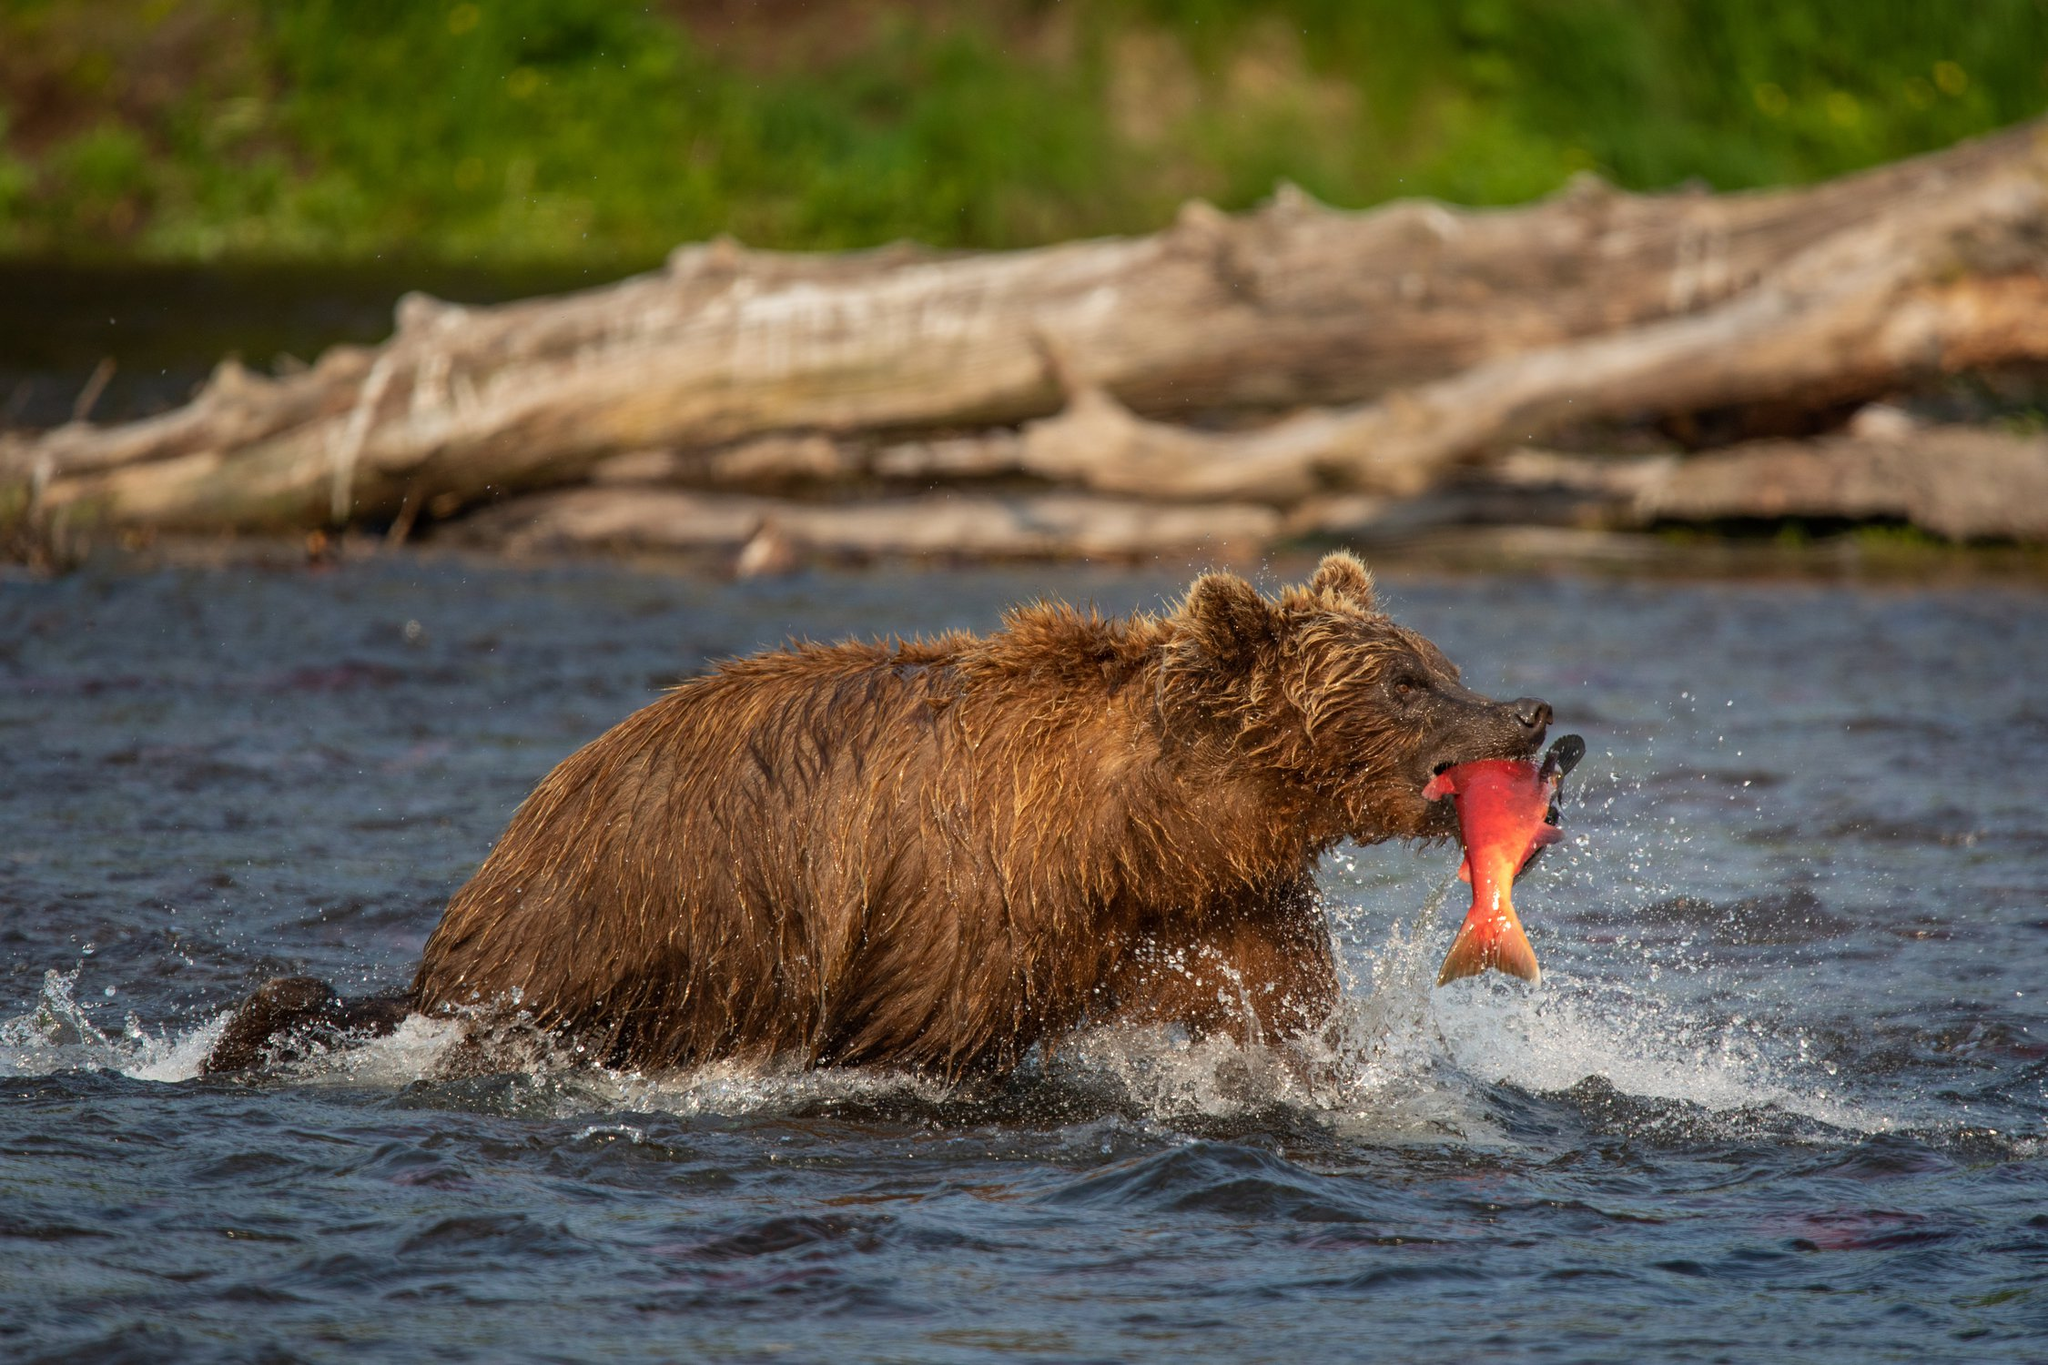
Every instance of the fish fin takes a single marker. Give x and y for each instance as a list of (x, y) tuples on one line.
[(1438, 787), (1565, 753), (1490, 942), (1465, 870), (1516, 956), (1545, 837)]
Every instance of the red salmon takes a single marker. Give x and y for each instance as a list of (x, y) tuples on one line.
[(1505, 810)]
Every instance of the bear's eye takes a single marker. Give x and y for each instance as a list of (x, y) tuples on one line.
[(1408, 685)]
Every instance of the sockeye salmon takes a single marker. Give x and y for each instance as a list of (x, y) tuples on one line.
[(1507, 813)]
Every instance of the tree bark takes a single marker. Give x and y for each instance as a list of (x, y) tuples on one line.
[(1414, 336)]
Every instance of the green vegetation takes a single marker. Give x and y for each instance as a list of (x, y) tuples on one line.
[(592, 132)]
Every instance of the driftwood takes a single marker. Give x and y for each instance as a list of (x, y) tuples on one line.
[(769, 532), (1281, 358), (1961, 483), (1956, 482)]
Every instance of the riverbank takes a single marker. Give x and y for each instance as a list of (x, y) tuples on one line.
[(1866, 355), (1869, 352)]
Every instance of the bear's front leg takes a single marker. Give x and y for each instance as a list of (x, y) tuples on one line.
[(1262, 973)]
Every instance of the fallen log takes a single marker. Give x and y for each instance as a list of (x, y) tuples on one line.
[(1960, 483), (1420, 335), (1957, 482), (1857, 318), (940, 526)]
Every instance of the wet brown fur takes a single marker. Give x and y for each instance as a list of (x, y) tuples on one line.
[(938, 852)]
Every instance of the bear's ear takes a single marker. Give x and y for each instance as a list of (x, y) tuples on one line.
[(1342, 576), (1227, 619)]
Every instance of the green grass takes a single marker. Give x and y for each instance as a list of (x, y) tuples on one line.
[(592, 132)]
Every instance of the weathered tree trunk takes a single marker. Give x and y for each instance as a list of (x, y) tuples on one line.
[(1400, 341), (1957, 482)]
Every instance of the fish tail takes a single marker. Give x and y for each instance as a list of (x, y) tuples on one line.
[(1490, 939)]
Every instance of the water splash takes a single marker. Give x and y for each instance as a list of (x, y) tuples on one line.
[(1401, 1061), (58, 1035), (1554, 1038)]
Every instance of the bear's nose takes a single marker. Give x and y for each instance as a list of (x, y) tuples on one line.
[(1532, 712)]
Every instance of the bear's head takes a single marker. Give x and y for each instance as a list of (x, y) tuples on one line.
[(1351, 712)]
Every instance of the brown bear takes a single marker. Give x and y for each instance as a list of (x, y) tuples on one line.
[(938, 852)]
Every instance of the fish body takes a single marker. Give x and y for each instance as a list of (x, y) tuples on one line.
[(1505, 809)]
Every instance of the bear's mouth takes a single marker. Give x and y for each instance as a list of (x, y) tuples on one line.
[(1486, 752), (1475, 734), (1435, 814)]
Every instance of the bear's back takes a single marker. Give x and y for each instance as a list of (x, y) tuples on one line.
[(810, 851)]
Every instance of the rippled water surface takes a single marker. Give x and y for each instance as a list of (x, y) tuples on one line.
[(1779, 1097)]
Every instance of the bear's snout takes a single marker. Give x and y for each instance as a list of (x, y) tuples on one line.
[(1469, 727), (1534, 715)]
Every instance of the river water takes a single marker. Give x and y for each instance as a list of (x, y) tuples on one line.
[(1779, 1097)]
